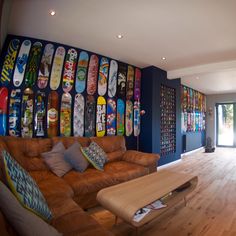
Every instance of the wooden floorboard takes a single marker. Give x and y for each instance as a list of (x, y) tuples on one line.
[(211, 207)]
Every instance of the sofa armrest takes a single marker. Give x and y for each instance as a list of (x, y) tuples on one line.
[(148, 160)]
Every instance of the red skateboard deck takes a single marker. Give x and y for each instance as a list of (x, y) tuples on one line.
[(92, 75), (3, 110)]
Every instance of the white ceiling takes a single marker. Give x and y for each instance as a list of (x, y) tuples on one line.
[(188, 33)]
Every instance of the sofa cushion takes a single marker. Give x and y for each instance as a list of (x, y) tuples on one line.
[(68, 141), (115, 156)]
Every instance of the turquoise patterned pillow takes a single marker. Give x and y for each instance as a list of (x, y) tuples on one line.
[(24, 187), (95, 155)]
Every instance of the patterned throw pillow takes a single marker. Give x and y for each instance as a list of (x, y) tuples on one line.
[(95, 155), (24, 187)]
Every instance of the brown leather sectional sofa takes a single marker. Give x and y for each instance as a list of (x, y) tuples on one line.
[(68, 196)]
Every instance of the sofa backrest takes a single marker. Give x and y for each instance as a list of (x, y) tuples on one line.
[(68, 141)]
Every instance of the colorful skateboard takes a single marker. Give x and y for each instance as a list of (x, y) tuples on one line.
[(21, 63), (33, 64), (112, 81), (111, 116), (40, 114), (3, 110), (130, 83), (120, 117), (129, 118), (81, 73), (57, 66), (9, 61), (65, 115), (78, 122), (14, 112), (69, 70), (102, 79), (121, 84), (136, 118), (185, 121), (137, 84), (92, 75), (52, 114), (27, 108), (89, 116), (101, 117), (45, 66)]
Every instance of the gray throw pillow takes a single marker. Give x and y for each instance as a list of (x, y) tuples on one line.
[(55, 160), (22, 220), (74, 156)]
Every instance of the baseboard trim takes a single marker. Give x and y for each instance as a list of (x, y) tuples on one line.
[(191, 152), (168, 164)]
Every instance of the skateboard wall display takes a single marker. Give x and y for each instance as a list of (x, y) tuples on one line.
[(69, 70), (111, 116), (130, 83), (14, 113), (81, 73), (112, 81), (9, 62), (129, 118), (136, 118), (101, 117), (102, 78), (3, 110), (57, 66), (89, 118), (121, 83), (92, 75), (120, 117), (78, 118), (137, 84), (45, 66)]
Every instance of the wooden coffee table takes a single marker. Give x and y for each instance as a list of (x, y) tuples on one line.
[(125, 199)]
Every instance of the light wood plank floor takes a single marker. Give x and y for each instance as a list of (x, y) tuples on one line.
[(211, 207)]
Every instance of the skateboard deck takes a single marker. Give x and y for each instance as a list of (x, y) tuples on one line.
[(136, 118), (14, 112), (9, 62), (130, 83), (3, 110), (101, 117), (45, 66), (57, 66), (81, 73), (112, 81), (33, 64), (129, 118), (121, 84), (52, 114), (65, 115), (111, 116), (69, 70), (40, 114), (137, 84), (27, 108), (89, 116), (92, 75), (102, 79), (185, 121), (78, 122), (21, 63), (120, 117)]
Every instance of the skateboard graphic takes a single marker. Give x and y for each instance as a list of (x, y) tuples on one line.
[(130, 83), (14, 112), (89, 121), (69, 70), (101, 117), (111, 116), (81, 73), (3, 110), (185, 121), (112, 81), (121, 83), (136, 118), (92, 75), (27, 108), (9, 61), (52, 114), (33, 64), (40, 114), (120, 117), (21, 63), (65, 115), (129, 118), (102, 79), (57, 66), (45, 66), (78, 121), (137, 84)]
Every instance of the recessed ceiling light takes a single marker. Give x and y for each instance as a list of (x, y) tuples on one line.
[(52, 13), (163, 58), (197, 77), (119, 36)]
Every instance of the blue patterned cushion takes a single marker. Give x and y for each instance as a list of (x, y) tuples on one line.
[(95, 155), (24, 187)]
